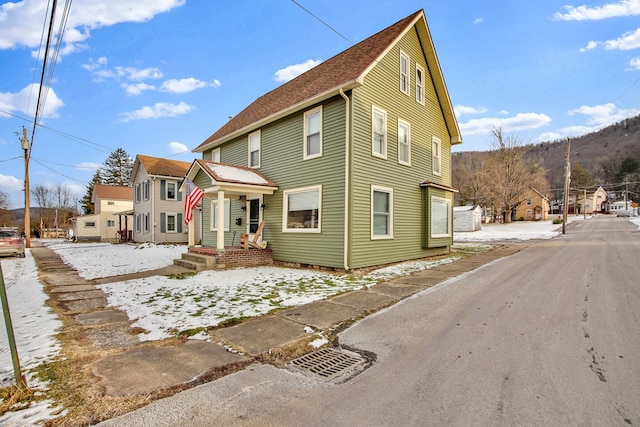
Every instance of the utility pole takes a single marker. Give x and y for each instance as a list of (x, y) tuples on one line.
[(584, 208), (567, 179), (27, 204)]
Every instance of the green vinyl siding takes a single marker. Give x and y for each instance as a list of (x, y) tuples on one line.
[(428, 241), (381, 89)]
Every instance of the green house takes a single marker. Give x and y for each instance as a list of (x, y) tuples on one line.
[(348, 165)]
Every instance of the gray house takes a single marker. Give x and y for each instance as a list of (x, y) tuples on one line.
[(346, 166)]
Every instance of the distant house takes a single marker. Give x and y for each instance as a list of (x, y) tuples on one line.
[(112, 220), (467, 218), (158, 208), (595, 202), (346, 166), (535, 207)]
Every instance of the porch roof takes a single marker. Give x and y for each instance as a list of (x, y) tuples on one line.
[(232, 179)]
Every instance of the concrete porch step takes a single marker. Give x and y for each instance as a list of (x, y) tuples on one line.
[(196, 262)]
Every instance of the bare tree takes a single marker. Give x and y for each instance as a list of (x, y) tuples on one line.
[(62, 196), (510, 174), (44, 197), (470, 179), (4, 200)]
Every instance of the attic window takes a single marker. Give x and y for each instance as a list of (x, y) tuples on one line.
[(254, 149), (404, 73), (313, 133), (379, 132), (420, 84)]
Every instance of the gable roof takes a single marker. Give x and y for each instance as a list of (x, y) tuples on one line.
[(160, 167), (111, 192), (344, 71), (231, 178)]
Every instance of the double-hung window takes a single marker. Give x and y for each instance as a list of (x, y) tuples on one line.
[(254, 149), (404, 73), (313, 133), (404, 143), (302, 209), (172, 194), (145, 190), (215, 155), (381, 212), (379, 132), (214, 214), (419, 84), (172, 223), (436, 156), (138, 193)]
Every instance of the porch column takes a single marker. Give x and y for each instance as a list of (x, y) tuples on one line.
[(191, 234), (220, 221)]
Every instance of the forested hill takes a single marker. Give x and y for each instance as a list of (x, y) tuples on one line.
[(600, 153)]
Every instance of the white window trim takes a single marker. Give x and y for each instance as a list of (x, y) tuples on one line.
[(145, 223), (408, 126), (166, 224), (421, 69), (215, 155), (449, 217), (146, 189), (305, 156), (166, 190), (406, 74), (258, 133), (375, 109), (436, 153), (227, 214), (285, 210), (138, 192), (388, 190)]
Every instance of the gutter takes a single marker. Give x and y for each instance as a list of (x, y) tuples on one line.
[(347, 180)]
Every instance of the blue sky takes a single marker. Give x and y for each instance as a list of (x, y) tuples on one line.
[(157, 77)]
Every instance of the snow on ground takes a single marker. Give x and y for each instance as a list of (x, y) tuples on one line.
[(164, 306)]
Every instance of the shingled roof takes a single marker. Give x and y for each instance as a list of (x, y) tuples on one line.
[(343, 71), (161, 167), (111, 192)]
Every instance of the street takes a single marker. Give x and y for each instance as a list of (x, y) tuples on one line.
[(549, 336)]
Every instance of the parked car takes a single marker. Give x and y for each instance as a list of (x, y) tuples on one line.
[(11, 242), (624, 213)]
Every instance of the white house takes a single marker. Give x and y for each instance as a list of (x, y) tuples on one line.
[(112, 220)]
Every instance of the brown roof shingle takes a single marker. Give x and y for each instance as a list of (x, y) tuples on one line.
[(335, 72), (163, 167), (112, 192)]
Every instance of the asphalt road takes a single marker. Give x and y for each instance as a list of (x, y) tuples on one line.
[(549, 336)]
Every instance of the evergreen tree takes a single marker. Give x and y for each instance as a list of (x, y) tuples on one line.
[(88, 208), (117, 168)]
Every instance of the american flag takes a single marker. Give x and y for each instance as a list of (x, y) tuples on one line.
[(192, 198)]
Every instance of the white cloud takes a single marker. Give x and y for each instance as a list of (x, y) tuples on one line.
[(11, 183), (177, 148), (137, 89), (461, 110), (21, 21), (158, 110), (478, 20), (605, 114), (25, 101), (129, 73), (88, 166), (628, 41), (95, 64), (609, 10), (186, 85), (292, 71), (635, 63), (519, 122)]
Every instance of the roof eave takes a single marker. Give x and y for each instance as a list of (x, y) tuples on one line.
[(280, 114)]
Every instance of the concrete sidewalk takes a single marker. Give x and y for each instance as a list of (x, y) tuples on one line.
[(138, 368)]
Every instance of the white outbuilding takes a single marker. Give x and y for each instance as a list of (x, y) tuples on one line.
[(467, 218)]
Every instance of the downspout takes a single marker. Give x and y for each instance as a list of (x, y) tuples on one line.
[(153, 209), (347, 179)]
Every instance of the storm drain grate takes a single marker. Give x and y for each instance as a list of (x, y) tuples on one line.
[(331, 364)]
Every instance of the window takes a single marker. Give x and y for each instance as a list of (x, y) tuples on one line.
[(254, 149), (436, 152), (138, 194), (440, 217), (404, 73), (138, 223), (420, 84), (529, 202), (171, 190), (145, 221), (302, 209), (379, 133), (145, 190), (111, 223), (381, 212), (404, 143), (313, 133), (111, 203), (171, 223), (214, 214), (89, 224), (215, 155)]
